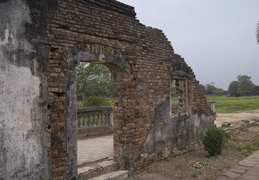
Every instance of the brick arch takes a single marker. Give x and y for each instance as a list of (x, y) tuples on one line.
[(118, 65)]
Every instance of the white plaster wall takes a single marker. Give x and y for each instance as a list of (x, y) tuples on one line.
[(21, 148), (18, 90)]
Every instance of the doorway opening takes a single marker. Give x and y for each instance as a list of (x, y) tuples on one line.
[(94, 113)]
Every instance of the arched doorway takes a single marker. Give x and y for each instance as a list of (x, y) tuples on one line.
[(94, 113), (119, 71)]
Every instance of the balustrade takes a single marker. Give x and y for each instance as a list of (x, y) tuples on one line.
[(94, 116)]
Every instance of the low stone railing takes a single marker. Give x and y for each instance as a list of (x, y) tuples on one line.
[(94, 116), (94, 121)]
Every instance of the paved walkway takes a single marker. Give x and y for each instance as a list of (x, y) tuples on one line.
[(248, 169), (94, 149)]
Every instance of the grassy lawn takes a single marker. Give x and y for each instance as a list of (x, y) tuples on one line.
[(225, 104)]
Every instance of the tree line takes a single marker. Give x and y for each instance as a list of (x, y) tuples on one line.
[(94, 87), (243, 86), (257, 32)]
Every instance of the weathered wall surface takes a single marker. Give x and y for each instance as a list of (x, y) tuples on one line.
[(41, 44), (23, 140)]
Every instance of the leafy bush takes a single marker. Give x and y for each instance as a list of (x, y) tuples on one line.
[(96, 101), (213, 140)]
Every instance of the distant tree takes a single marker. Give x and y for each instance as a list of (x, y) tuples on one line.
[(202, 88), (233, 88), (257, 32), (256, 90), (246, 86), (173, 90), (211, 89), (210, 84), (243, 87), (93, 80), (220, 92)]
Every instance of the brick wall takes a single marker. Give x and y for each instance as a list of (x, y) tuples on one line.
[(143, 65), (140, 56)]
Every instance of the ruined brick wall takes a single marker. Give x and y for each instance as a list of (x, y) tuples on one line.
[(24, 138), (60, 34)]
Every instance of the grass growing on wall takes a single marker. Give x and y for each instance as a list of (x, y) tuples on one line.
[(225, 104)]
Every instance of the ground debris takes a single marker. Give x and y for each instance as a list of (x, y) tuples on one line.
[(197, 165)]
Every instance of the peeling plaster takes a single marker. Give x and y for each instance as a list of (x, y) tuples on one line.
[(16, 123)]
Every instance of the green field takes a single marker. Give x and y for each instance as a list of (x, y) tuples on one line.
[(225, 104)]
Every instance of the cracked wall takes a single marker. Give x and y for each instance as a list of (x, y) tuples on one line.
[(22, 113), (42, 43)]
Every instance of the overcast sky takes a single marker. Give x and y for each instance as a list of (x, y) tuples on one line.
[(215, 37)]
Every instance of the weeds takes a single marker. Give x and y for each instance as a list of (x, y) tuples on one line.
[(239, 145), (210, 178), (194, 175), (254, 124), (245, 130), (247, 127), (227, 166), (246, 154)]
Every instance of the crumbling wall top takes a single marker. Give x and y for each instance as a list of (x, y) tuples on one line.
[(115, 6)]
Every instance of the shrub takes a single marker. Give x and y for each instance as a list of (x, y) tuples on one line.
[(213, 140)]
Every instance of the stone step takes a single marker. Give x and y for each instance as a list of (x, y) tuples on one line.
[(115, 175), (96, 169)]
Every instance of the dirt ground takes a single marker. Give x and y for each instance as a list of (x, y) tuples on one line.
[(199, 165), (236, 117)]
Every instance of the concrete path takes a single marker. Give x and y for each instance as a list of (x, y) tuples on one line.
[(94, 149), (248, 169)]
